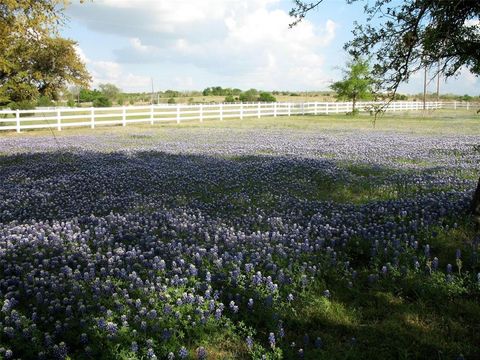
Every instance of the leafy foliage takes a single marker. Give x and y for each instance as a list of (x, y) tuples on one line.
[(249, 96), (34, 61), (404, 37), (102, 101), (110, 91), (219, 91), (357, 83), (266, 97)]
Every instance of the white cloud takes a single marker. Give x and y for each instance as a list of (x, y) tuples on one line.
[(247, 42), (112, 72)]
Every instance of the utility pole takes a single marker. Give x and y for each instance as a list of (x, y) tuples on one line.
[(151, 98)]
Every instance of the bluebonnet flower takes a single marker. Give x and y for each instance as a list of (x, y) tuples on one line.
[(249, 341), (449, 268), (182, 353), (201, 353), (384, 270), (111, 328), (427, 251), (151, 354), (271, 340), (306, 340)]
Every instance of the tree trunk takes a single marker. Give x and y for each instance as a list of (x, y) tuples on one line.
[(475, 207)]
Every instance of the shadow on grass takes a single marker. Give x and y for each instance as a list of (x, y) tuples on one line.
[(36, 185), (386, 322)]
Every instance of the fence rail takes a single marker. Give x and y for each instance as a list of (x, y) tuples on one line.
[(60, 118)]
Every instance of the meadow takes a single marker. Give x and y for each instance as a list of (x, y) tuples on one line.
[(309, 237)]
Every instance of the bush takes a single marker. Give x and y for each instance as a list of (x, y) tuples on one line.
[(249, 96), (22, 105), (171, 101), (102, 101), (266, 97), (44, 101), (229, 99), (71, 103)]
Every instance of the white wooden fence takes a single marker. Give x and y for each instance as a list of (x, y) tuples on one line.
[(61, 118)]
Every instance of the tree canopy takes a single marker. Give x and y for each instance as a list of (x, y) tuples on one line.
[(403, 37), (34, 60), (357, 82)]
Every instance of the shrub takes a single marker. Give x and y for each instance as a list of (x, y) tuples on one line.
[(249, 96), (71, 103), (102, 101), (22, 105), (44, 101), (229, 99), (266, 97), (171, 101)]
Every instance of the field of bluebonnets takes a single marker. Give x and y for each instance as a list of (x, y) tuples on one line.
[(302, 237)]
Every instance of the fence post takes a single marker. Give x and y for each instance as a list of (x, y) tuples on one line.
[(274, 109), (468, 106), (151, 114), (17, 116), (124, 116), (289, 109), (241, 111), (201, 113), (315, 109), (455, 105), (92, 118), (59, 121), (303, 108), (326, 108), (221, 112), (178, 114), (258, 110)]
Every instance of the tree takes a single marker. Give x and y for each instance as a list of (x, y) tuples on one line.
[(249, 96), (34, 60), (266, 97), (102, 101), (357, 83), (406, 36), (110, 91)]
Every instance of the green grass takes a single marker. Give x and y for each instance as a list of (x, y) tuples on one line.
[(448, 122)]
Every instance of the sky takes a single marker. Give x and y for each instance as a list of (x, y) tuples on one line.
[(193, 44)]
